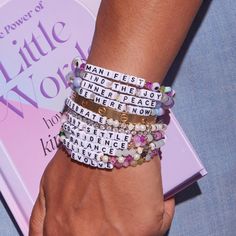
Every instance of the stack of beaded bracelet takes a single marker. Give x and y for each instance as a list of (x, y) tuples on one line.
[(113, 119)]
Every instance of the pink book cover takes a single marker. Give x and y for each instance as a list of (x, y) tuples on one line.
[(38, 40)]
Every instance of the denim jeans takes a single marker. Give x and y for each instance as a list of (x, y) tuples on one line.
[(205, 84), (204, 77)]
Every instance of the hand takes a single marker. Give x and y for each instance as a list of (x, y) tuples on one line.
[(77, 200)]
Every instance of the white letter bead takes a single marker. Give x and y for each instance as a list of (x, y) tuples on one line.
[(124, 88), (110, 74), (133, 80), (109, 165), (116, 86), (101, 119), (67, 143), (124, 98), (141, 82), (101, 165), (77, 157), (132, 90), (99, 100), (123, 145), (89, 129), (84, 83), (87, 76), (94, 163), (110, 94), (112, 104), (86, 94), (125, 78), (117, 76), (121, 107)]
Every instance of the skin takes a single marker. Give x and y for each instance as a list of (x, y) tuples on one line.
[(135, 37)]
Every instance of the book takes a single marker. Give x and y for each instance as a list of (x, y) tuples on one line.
[(38, 41)]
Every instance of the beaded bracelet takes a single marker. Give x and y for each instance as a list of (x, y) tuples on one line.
[(81, 69), (89, 131), (160, 101)]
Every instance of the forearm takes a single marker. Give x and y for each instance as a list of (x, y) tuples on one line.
[(141, 37), (135, 37)]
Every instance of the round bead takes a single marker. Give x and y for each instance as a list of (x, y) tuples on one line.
[(144, 153), (110, 122), (120, 159), (153, 127), (129, 158), (159, 111), (169, 101), (82, 66), (148, 158), (125, 152), (126, 163), (77, 82), (158, 104), (149, 138), (109, 84), (137, 92), (116, 123), (139, 150), (137, 127), (77, 72), (130, 126), (172, 93), (119, 152), (143, 140), (154, 152), (148, 85), (155, 86), (164, 98), (63, 118), (157, 135), (105, 158), (77, 62), (142, 127), (132, 151), (118, 165), (61, 138), (69, 77), (136, 140), (112, 160), (61, 133), (158, 126), (152, 146), (133, 163), (140, 161), (136, 156), (163, 127)]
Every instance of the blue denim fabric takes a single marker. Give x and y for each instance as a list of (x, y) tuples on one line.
[(205, 107), (205, 82)]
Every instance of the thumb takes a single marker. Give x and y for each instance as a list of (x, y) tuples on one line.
[(169, 209), (38, 215)]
